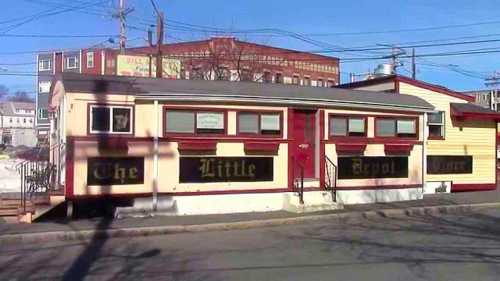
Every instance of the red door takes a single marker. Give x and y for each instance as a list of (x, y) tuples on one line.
[(304, 134)]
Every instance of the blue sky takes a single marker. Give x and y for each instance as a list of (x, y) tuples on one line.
[(319, 20)]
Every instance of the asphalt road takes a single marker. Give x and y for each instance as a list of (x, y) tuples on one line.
[(450, 247)]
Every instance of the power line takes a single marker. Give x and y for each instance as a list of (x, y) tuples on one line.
[(59, 35)]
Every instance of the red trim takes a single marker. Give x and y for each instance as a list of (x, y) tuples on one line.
[(132, 124), (376, 141), (291, 138), (461, 115), (224, 111), (70, 168), (378, 187), (112, 143), (395, 118), (472, 187), (259, 113), (350, 148), (322, 155), (262, 147), (197, 145), (398, 149), (404, 79)]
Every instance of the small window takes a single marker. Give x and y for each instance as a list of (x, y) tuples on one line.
[(320, 83), (347, 126), (111, 119), (44, 65), (295, 80), (307, 81), (278, 78), (259, 123), (110, 63), (90, 60), (388, 127), (435, 121), (180, 121), (44, 87), (267, 77), (43, 113), (24, 120), (190, 122), (71, 62)]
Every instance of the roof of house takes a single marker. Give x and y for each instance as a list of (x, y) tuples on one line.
[(472, 111), (225, 91), (9, 108), (408, 80)]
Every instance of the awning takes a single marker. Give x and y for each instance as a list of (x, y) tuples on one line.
[(472, 111)]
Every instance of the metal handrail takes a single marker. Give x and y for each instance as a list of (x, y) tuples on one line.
[(331, 182)]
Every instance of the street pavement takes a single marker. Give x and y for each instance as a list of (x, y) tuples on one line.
[(441, 247)]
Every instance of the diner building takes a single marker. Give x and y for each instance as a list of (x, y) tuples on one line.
[(204, 147), (460, 136)]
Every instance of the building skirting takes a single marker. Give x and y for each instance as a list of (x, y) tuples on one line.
[(230, 203), (378, 195)]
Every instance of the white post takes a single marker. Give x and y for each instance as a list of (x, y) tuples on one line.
[(155, 156)]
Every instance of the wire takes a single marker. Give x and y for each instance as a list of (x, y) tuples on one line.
[(58, 35)]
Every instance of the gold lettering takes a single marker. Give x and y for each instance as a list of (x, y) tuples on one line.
[(251, 170), (228, 169), (120, 173), (243, 168), (97, 171), (205, 168), (133, 173), (236, 172)]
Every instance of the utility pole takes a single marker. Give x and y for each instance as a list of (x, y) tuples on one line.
[(159, 40), (413, 65), (121, 14), (493, 82)]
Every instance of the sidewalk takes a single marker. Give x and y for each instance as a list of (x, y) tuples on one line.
[(180, 221)]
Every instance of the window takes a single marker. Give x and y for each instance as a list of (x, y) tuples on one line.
[(71, 62), (110, 63), (43, 113), (191, 122), (90, 60), (389, 127), (24, 120), (435, 121), (10, 120), (246, 75), (295, 80), (44, 87), (259, 123), (347, 126), (307, 81), (44, 65), (197, 74), (278, 78), (330, 84), (110, 119), (320, 83), (267, 78)]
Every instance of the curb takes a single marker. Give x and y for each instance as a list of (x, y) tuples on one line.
[(175, 229)]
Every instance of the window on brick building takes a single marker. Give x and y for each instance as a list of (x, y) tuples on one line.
[(278, 78), (295, 80), (307, 81)]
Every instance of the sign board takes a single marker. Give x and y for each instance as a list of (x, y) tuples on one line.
[(209, 120), (225, 169), (372, 167), (440, 164), (138, 66), (115, 171)]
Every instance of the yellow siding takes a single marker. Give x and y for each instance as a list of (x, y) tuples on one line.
[(476, 138)]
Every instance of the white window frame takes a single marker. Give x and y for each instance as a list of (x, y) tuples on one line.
[(41, 65), (40, 88), (442, 124), (90, 59), (67, 62), (111, 109)]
